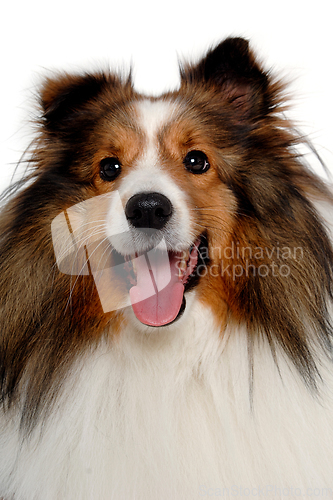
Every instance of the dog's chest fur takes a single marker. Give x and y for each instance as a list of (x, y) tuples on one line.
[(174, 418)]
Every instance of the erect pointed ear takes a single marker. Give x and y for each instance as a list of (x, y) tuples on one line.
[(232, 69)]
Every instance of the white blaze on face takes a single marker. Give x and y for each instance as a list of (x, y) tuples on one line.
[(86, 235), (148, 175), (158, 295)]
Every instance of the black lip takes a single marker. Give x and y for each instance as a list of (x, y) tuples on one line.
[(179, 315), (203, 261)]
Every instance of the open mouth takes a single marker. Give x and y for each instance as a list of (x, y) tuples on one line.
[(157, 282)]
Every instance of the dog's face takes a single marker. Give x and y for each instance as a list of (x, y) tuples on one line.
[(158, 175), (167, 164), (168, 192)]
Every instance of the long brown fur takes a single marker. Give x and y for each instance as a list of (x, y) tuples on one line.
[(48, 318)]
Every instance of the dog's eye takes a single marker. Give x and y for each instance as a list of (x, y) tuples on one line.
[(110, 168), (196, 162)]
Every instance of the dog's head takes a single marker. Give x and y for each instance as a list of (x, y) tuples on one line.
[(171, 166), (195, 194)]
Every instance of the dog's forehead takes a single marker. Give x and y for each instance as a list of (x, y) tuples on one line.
[(154, 115)]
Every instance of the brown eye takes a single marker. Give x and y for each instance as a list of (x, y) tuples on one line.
[(110, 168), (196, 162)]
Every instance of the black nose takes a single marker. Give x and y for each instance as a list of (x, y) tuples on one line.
[(148, 210)]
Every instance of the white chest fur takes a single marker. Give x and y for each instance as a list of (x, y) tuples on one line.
[(168, 416)]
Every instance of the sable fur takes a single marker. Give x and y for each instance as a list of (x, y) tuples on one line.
[(271, 188), (267, 178), (49, 320)]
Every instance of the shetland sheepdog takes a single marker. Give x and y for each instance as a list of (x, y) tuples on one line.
[(166, 294)]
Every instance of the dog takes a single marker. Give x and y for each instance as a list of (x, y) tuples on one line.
[(166, 294)]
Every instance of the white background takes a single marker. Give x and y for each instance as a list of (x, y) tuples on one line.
[(292, 37)]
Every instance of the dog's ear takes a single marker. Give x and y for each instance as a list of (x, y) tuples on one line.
[(233, 71), (65, 98)]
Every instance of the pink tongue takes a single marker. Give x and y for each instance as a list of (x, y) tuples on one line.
[(158, 295)]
